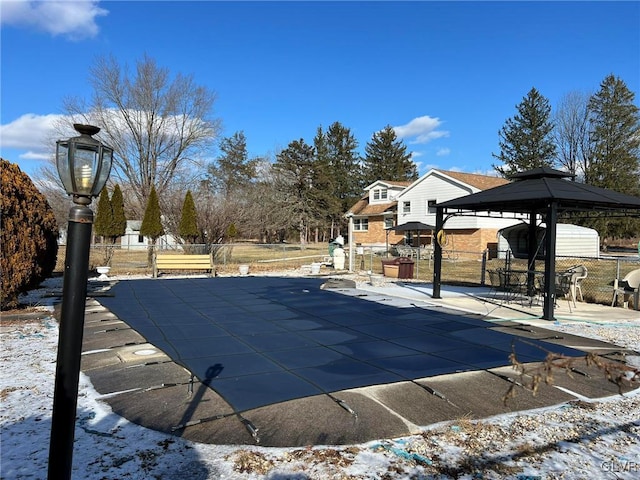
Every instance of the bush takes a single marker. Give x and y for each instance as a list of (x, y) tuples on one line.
[(28, 235)]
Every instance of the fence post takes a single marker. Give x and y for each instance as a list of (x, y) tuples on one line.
[(484, 266)]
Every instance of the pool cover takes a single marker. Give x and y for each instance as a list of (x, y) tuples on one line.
[(263, 340)]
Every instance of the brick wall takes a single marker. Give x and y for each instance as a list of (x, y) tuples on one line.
[(376, 235), (473, 240)]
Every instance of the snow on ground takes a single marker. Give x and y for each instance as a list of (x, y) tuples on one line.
[(576, 440)]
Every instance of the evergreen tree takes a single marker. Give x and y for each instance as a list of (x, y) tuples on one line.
[(110, 222), (525, 139), (615, 138), (152, 225), (28, 235), (104, 223), (345, 167), (615, 147), (119, 219), (232, 170), (387, 158), (104, 215), (295, 176), (188, 228), (325, 185)]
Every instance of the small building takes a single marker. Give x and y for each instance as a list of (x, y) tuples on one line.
[(132, 240), (571, 241)]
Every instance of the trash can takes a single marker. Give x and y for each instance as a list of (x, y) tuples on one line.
[(405, 267)]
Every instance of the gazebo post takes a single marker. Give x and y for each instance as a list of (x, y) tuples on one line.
[(437, 254), (532, 250), (550, 262)]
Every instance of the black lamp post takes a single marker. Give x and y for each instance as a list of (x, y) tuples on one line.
[(83, 165)]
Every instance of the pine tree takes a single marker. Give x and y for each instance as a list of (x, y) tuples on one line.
[(615, 138), (295, 176), (110, 222), (387, 158), (152, 225), (525, 139), (103, 223), (324, 183), (104, 215), (345, 166), (119, 227), (188, 228), (615, 147), (232, 170)]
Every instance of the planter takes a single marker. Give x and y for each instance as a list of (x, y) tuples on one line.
[(103, 272), (243, 269), (315, 268)]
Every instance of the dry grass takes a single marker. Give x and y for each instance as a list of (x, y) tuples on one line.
[(465, 269)]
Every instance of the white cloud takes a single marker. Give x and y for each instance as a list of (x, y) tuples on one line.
[(443, 152), (421, 129), (32, 133), (74, 19)]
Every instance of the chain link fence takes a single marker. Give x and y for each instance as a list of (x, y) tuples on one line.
[(458, 267)]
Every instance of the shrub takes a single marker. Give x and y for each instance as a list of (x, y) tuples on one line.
[(28, 235)]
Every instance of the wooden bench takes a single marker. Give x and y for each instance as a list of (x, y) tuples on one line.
[(182, 262)]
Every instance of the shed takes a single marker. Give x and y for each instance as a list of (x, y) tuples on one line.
[(571, 241)]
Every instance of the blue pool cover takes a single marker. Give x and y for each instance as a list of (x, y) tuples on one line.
[(262, 340)]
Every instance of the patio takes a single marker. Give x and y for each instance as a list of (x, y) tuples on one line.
[(284, 361)]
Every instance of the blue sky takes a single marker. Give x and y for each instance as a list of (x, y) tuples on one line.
[(446, 75)]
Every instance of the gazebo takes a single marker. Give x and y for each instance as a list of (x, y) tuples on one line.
[(542, 191)]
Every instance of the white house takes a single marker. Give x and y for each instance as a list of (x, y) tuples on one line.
[(132, 240), (476, 233)]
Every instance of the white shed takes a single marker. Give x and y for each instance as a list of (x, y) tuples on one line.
[(571, 241)]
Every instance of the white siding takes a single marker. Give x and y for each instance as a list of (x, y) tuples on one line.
[(437, 186)]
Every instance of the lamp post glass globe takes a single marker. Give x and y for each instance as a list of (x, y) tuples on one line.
[(83, 164)]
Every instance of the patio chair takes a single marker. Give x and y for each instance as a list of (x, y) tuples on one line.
[(628, 287), (564, 282), (514, 284), (578, 274)]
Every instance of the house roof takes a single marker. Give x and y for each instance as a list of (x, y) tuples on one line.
[(481, 182), (390, 183), (362, 207)]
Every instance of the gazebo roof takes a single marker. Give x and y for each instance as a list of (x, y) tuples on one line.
[(412, 226), (536, 189)]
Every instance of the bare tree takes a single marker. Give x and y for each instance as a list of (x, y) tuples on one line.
[(159, 127), (571, 132)]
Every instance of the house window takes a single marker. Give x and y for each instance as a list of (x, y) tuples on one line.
[(140, 239), (406, 207), (361, 224), (380, 194), (388, 223), (431, 206)]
